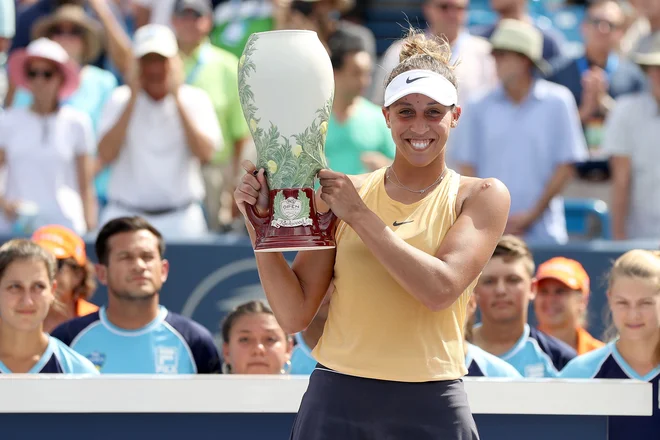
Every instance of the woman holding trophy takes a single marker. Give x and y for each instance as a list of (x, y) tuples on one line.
[(410, 244)]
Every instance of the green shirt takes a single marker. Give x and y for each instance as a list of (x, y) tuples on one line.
[(362, 132), (235, 21), (215, 71)]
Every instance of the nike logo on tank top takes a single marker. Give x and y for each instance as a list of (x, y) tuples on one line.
[(375, 328)]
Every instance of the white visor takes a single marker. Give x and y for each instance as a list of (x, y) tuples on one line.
[(425, 82)]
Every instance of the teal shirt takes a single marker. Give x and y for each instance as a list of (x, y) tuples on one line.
[(365, 131)]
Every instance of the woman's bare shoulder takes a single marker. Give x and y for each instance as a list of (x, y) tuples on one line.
[(473, 187)]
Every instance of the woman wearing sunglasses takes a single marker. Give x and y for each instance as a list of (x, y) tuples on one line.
[(83, 39), (47, 147)]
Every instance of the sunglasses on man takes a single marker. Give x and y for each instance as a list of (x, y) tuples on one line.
[(602, 25), (189, 13), (74, 31)]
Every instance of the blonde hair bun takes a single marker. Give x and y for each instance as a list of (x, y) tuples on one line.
[(417, 43), (420, 51)]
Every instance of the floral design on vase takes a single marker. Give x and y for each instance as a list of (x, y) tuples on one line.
[(290, 161)]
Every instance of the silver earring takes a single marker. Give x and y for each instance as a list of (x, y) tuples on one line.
[(225, 368), (287, 368)]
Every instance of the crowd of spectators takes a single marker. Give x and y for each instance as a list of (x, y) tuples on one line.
[(141, 115), (134, 333), (122, 119)]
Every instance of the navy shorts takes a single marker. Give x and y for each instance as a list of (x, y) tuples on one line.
[(342, 407)]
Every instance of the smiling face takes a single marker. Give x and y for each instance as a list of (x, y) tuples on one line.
[(257, 345), (420, 127), (557, 306), (635, 305)]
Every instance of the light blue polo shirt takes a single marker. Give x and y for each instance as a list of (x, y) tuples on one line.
[(537, 355), (481, 363), (170, 344), (522, 144), (607, 363), (58, 358), (302, 361)]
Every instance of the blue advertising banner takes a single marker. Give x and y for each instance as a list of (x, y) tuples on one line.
[(209, 277)]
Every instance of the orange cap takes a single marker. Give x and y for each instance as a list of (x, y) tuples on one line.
[(568, 271), (62, 242)]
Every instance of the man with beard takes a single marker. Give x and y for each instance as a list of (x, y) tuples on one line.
[(133, 333)]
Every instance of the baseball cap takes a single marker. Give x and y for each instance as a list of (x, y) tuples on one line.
[(62, 242), (567, 271), (155, 38), (203, 7)]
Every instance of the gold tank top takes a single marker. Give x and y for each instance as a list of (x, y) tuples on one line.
[(376, 329)]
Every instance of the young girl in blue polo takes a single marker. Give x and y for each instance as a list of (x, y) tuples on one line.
[(633, 296), (27, 282)]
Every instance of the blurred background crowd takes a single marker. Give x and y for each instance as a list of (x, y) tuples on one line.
[(122, 108), (561, 137)]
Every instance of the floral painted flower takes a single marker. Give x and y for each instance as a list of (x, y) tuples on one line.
[(272, 167), (253, 125), (296, 150), (241, 61), (324, 127)]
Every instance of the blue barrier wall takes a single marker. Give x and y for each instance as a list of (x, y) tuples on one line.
[(260, 426), (209, 277)]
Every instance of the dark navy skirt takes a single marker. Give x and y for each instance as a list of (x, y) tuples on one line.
[(342, 407)]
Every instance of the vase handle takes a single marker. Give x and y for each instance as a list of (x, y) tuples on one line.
[(258, 222), (327, 221)]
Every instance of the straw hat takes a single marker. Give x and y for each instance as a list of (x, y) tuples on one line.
[(520, 37), (650, 57), (49, 50), (70, 13)]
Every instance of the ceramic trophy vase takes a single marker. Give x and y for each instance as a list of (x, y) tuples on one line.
[(286, 88)]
